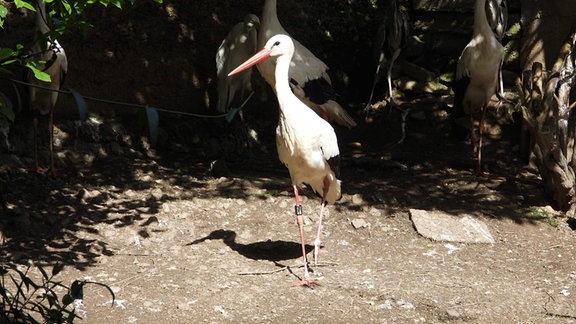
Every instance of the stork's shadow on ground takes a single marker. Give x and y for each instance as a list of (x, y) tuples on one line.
[(268, 250)]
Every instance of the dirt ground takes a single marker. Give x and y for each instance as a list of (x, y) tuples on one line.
[(181, 242), (179, 245)]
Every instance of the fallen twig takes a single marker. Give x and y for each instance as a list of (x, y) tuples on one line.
[(282, 268)]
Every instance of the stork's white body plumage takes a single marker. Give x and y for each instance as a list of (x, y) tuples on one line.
[(306, 143), (237, 47), (305, 67), (480, 64), (51, 59)]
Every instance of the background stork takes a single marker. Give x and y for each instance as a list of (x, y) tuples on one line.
[(478, 72), (308, 75), (237, 47), (392, 36), (51, 59), (306, 143)]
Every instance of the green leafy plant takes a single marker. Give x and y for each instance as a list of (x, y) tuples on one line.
[(541, 214), (63, 15), (22, 300), (267, 194), (66, 15)]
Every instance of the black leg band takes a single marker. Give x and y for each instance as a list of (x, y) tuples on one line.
[(298, 210)]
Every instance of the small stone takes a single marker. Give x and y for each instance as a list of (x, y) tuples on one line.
[(375, 212), (452, 314), (357, 199), (360, 223), (157, 193), (183, 306)]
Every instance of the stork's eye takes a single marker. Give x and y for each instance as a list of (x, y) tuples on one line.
[(277, 43)]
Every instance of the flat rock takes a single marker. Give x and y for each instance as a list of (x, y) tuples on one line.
[(441, 226)]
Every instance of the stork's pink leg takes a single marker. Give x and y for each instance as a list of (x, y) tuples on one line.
[(52, 172), (479, 153), (36, 167), (389, 78), (474, 139), (322, 205), (307, 280)]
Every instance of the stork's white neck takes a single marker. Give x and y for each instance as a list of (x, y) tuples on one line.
[(41, 17), (480, 20), (269, 12), (270, 23), (283, 90)]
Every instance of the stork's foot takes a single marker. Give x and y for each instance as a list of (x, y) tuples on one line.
[(309, 283), (37, 169), (371, 111), (481, 174), (53, 173)]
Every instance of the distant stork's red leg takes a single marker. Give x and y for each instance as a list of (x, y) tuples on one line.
[(480, 131), (473, 138), (52, 172), (306, 281), (36, 167)]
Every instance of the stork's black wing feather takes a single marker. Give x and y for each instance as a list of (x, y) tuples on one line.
[(459, 87), (334, 163), (318, 90)]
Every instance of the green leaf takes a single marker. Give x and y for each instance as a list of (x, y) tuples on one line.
[(67, 7), (57, 268), (24, 4), (44, 273), (3, 13), (3, 292), (6, 53), (42, 76), (67, 300), (117, 3), (23, 279)]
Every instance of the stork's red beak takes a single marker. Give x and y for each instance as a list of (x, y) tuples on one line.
[(257, 58)]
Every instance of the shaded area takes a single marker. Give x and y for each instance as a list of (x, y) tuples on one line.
[(111, 176), (267, 250)]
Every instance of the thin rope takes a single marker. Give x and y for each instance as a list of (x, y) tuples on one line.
[(119, 103)]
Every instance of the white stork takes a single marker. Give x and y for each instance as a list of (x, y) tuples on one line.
[(237, 47), (51, 59), (306, 143), (392, 36), (308, 75), (479, 67)]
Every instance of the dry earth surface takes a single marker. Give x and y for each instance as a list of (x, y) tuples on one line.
[(179, 243)]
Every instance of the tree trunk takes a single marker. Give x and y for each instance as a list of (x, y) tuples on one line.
[(548, 115)]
